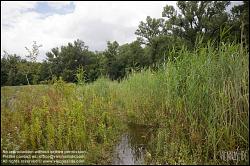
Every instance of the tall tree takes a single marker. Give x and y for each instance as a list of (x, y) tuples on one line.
[(196, 17), (111, 64), (32, 57), (240, 18), (65, 61), (131, 57), (161, 47), (9, 69), (148, 30)]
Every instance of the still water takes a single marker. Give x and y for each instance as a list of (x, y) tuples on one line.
[(132, 146)]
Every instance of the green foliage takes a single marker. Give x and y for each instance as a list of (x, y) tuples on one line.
[(190, 83), (147, 31), (64, 62), (240, 23), (80, 75), (195, 101), (62, 117), (10, 73), (196, 17), (197, 104), (32, 57), (161, 38)]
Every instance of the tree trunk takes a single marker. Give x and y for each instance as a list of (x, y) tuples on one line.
[(241, 36), (27, 79)]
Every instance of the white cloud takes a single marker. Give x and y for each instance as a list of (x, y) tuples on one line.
[(58, 4), (93, 22), (10, 11)]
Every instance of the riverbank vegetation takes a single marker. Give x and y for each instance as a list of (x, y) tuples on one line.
[(198, 105), (196, 100)]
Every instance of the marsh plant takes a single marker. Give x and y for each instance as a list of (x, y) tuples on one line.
[(198, 105), (80, 75)]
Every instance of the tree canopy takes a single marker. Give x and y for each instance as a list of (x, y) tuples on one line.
[(156, 40)]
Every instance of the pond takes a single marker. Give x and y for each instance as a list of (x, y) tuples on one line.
[(132, 146)]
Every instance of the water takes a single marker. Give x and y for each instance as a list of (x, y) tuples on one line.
[(131, 148)]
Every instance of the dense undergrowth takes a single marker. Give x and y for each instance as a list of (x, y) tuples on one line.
[(198, 104), (60, 117)]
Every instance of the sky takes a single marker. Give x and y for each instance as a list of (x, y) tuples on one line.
[(55, 23)]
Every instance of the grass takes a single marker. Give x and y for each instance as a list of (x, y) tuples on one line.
[(59, 117), (198, 105)]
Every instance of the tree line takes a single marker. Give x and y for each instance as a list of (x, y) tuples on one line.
[(158, 40)]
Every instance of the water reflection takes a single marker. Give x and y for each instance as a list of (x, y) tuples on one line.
[(132, 146)]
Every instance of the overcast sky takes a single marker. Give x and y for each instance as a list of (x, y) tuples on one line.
[(56, 23)]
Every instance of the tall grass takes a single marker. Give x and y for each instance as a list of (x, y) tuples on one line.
[(197, 103), (60, 117), (200, 103)]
